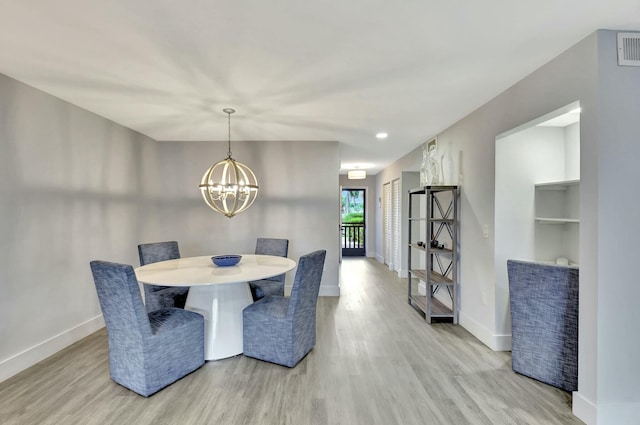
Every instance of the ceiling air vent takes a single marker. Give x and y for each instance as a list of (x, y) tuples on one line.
[(629, 48)]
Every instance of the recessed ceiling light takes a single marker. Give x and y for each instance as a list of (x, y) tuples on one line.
[(382, 135)]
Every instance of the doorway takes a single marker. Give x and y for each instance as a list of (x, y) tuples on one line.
[(353, 219)]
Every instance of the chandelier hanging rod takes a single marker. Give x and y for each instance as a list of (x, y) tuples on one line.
[(229, 111)]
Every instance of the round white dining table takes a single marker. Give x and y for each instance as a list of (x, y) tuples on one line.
[(217, 293)]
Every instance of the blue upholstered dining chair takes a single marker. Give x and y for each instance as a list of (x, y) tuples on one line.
[(544, 322), (273, 285), (282, 330), (156, 296), (147, 351)]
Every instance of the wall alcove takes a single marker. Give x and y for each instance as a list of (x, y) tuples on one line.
[(537, 184)]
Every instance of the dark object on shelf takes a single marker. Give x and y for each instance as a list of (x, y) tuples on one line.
[(544, 322), (436, 244)]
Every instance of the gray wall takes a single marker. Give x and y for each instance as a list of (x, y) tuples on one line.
[(608, 94), (615, 243), (288, 205), (69, 190), (76, 187)]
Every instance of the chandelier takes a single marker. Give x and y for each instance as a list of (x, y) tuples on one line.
[(229, 187)]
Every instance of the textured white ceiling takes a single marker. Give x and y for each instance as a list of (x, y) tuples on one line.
[(331, 70)]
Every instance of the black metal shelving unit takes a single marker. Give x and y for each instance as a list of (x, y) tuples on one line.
[(432, 267)]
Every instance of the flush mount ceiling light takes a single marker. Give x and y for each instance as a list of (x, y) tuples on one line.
[(229, 187), (357, 174), (382, 135)]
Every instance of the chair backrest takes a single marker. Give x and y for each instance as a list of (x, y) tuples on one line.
[(270, 246), (158, 251), (306, 284), (528, 281), (120, 301)]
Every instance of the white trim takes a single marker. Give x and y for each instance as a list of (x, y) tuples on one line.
[(546, 117), (27, 358), (493, 341), (396, 225), (584, 409), (329, 291), (380, 258)]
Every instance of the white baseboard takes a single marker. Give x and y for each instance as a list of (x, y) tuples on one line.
[(329, 291), (380, 258), (27, 358), (584, 409), (491, 340)]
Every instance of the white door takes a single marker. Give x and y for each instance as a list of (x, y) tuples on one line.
[(386, 218), (395, 225)]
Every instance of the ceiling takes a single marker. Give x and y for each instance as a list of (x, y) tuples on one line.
[(331, 70)]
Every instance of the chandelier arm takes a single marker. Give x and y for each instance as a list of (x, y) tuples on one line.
[(235, 209)]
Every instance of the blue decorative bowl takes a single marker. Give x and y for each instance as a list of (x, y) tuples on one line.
[(226, 260)]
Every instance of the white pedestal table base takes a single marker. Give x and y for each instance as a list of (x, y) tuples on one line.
[(221, 305)]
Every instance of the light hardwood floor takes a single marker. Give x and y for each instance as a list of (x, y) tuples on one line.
[(376, 361)]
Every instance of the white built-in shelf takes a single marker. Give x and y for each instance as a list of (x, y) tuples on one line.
[(559, 220), (559, 185)]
